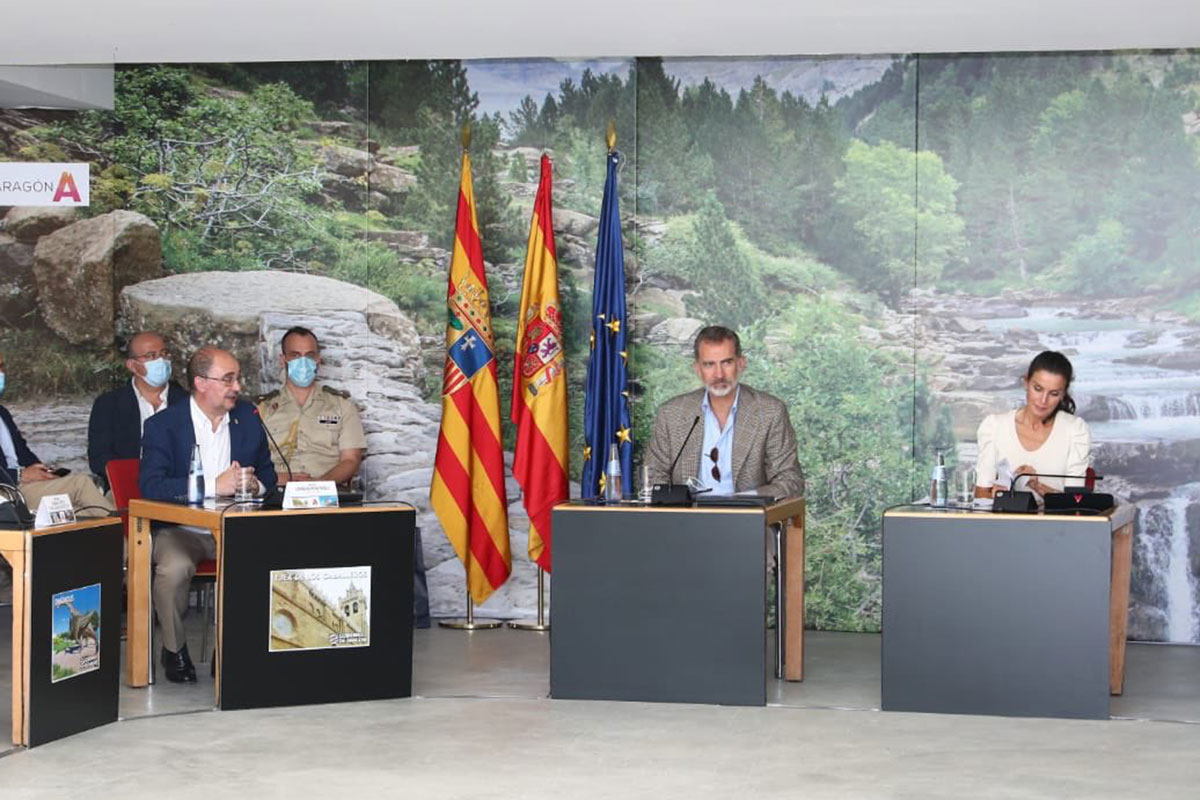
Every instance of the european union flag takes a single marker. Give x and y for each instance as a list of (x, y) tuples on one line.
[(606, 419)]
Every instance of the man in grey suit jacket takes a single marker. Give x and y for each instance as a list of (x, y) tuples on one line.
[(732, 438)]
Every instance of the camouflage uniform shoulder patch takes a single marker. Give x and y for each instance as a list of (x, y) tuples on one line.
[(337, 392)]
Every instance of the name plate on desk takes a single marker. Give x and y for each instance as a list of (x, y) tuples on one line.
[(310, 494), (55, 509)]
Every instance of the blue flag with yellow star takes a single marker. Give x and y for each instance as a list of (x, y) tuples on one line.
[(606, 419)]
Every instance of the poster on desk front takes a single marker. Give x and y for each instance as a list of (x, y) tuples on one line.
[(75, 634), (320, 608)]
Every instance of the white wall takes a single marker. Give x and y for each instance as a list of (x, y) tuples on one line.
[(128, 31)]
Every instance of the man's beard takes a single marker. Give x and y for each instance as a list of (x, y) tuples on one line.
[(722, 391)]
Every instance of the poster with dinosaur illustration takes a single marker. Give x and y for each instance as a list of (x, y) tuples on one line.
[(75, 633)]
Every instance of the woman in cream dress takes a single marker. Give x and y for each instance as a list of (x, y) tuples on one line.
[(1042, 436)]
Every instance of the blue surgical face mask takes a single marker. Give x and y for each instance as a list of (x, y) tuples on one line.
[(158, 372), (2, 376), (302, 371)]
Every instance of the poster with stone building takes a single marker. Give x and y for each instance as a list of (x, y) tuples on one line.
[(320, 608)]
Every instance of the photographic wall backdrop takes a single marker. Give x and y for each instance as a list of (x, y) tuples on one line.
[(894, 236)]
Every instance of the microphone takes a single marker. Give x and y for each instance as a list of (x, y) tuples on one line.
[(670, 494), (267, 430), (1089, 478), (274, 498), (1071, 499), (14, 512)]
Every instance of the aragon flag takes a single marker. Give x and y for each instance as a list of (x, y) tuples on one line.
[(606, 404), (539, 398), (468, 471)]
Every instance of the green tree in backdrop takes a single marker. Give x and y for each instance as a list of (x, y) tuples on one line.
[(907, 228)]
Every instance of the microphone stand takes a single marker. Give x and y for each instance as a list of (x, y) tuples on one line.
[(1015, 501), (539, 625), (276, 493), (673, 494)]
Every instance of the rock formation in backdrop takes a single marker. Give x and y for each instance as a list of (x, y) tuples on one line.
[(81, 268)]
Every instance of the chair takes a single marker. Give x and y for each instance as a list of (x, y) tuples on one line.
[(122, 474)]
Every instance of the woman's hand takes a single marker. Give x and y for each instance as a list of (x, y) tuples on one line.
[(1033, 484)]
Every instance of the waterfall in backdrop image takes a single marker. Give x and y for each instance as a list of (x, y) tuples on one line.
[(1167, 558)]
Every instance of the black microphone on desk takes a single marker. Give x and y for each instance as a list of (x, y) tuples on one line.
[(1074, 498), (670, 493), (273, 498), (14, 512)]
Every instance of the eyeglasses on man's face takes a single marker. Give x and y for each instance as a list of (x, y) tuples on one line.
[(228, 380), (152, 355)]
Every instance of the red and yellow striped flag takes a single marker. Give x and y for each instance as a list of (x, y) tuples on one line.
[(539, 399), (468, 472)]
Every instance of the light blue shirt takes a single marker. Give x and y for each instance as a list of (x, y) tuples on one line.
[(8, 447), (723, 441)]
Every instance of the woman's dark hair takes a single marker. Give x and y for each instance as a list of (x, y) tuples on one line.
[(1055, 363)]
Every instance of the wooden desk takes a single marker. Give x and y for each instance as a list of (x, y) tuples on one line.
[(221, 519), (790, 515), (139, 608), (1118, 599), (16, 547)]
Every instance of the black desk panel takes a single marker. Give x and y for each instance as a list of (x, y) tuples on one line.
[(659, 605), (305, 647), (996, 614), (73, 685)]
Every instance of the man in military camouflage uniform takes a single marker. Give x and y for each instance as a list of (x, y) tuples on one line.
[(319, 431), (316, 426)]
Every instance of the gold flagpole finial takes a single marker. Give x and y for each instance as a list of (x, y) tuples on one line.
[(610, 136), (466, 136)]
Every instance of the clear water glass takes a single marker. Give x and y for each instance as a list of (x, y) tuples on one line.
[(245, 485), (966, 487), (645, 487)]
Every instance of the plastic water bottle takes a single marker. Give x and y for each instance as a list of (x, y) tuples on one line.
[(195, 478), (937, 492), (612, 475)]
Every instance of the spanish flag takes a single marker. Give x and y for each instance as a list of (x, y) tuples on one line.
[(468, 471), (539, 399)]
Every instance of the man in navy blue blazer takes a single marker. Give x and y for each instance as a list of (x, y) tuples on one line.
[(115, 425), (230, 437), (20, 467)]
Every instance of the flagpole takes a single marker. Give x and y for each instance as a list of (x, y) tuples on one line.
[(540, 625), (468, 623)]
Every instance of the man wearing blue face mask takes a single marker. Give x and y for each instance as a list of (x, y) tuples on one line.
[(118, 416), (316, 427)]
